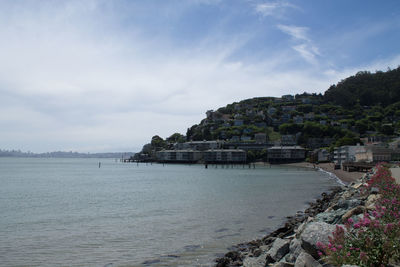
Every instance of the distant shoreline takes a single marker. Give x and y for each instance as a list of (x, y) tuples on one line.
[(344, 176)]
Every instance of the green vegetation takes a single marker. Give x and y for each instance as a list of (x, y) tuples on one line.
[(364, 105), (366, 89), (374, 239)]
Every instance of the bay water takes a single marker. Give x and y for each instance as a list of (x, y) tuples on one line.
[(71, 212)]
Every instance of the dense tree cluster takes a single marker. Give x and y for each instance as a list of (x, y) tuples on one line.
[(366, 89)]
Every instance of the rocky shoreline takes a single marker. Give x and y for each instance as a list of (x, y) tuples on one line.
[(295, 243)]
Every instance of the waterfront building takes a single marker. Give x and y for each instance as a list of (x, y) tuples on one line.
[(199, 145), (225, 156), (346, 154), (181, 156), (374, 154), (395, 144), (320, 155), (280, 154)]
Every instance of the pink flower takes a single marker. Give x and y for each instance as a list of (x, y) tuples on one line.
[(350, 220)]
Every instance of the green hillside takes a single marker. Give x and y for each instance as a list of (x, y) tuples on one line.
[(364, 105)]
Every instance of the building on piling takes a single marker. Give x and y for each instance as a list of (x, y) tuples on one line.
[(225, 156), (286, 154), (179, 156)]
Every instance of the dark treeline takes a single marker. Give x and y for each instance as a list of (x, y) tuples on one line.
[(367, 89)]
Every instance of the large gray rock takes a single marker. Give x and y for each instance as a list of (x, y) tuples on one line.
[(255, 261), (294, 250), (279, 248), (313, 233), (301, 227), (306, 260), (348, 204), (331, 217)]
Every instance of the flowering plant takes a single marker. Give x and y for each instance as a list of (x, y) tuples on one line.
[(373, 240)]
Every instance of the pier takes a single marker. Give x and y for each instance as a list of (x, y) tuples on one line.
[(357, 166)]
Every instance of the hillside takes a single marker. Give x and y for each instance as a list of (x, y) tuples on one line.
[(366, 105)]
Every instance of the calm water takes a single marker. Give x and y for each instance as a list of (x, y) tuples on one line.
[(70, 212)]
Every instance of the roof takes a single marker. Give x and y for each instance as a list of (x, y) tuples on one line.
[(286, 147), (225, 150)]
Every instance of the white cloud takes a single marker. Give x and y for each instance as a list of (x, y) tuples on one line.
[(308, 52), (274, 9), (304, 45), (71, 78), (296, 32)]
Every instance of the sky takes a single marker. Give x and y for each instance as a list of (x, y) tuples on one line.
[(100, 75)]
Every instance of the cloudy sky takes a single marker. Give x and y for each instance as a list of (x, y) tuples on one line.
[(94, 76)]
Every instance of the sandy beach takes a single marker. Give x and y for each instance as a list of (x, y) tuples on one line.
[(344, 176)]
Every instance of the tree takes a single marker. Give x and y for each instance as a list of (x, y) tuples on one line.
[(387, 129), (362, 126), (289, 128), (158, 142), (348, 140), (176, 138)]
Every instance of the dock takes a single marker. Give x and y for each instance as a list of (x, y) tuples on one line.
[(357, 166)]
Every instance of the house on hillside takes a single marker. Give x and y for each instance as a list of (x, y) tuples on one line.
[(288, 108), (288, 140), (260, 138), (316, 142), (238, 122), (285, 117), (309, 116), (260, 124), (298, 119), (245, 138), (288, 97), (271, 110), (235, 138)]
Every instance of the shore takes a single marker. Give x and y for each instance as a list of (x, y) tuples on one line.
[(291, 243), (344, 176)]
